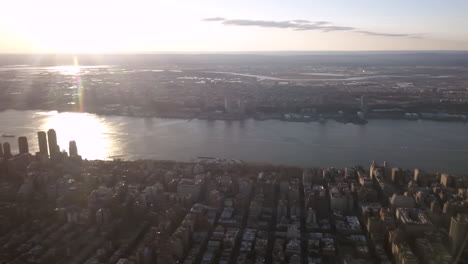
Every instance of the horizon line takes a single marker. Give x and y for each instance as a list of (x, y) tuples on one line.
[(250, 52)]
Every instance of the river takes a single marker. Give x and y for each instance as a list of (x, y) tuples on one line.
[(430, 145)]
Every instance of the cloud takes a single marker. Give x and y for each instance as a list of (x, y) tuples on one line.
[(261, 23), (336, 28), (321, 22), (304, 25), (210, 19), (371, 33), (301, 21)]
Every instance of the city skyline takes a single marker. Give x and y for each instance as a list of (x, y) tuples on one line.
[(233, 132), (206, 26)]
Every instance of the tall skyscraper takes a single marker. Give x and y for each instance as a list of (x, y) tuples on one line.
[(363, 103), (53, 147), (6, 150), (372, 169), (42, 138), (1, 150), (458, 232), (233, 106), (23, 145), (72, 149)]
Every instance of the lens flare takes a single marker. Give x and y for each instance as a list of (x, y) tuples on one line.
[(79, 84)]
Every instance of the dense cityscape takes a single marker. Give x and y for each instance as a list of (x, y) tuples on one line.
[(233, 132), (56, 207)]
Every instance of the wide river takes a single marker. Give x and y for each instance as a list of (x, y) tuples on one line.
[(434, 146)]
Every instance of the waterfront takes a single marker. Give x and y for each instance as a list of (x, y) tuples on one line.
[(434, 146)]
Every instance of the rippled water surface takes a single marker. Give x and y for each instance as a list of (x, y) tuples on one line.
[(435, 146)]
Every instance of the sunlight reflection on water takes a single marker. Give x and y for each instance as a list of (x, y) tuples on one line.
[(403, 143), (89, 132)]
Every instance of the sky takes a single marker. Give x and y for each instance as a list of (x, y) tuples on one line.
[(138, 26)]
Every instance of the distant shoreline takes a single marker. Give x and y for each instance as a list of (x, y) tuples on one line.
[(188, 116), (435, 146)]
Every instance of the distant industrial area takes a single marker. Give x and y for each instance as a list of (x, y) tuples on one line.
[(57, 207), (350, 88)]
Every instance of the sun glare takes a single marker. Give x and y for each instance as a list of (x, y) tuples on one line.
[(66, 70), (85, 129)]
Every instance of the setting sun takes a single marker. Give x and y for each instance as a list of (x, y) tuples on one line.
[(179, 26)]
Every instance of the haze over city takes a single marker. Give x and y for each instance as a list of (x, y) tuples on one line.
[(141, 26), (233, 132)]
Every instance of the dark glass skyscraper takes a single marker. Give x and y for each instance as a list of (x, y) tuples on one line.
[(72, 149), (53, 147), (6, 150), (1, 150), (42, 138), (23, 145)]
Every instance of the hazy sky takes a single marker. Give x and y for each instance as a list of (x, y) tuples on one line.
[(236, 25)]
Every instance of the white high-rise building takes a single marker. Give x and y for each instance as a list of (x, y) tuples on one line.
[(458, 231), (234, 106)]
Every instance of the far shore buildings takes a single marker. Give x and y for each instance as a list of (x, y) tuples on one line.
[(234, 106)]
